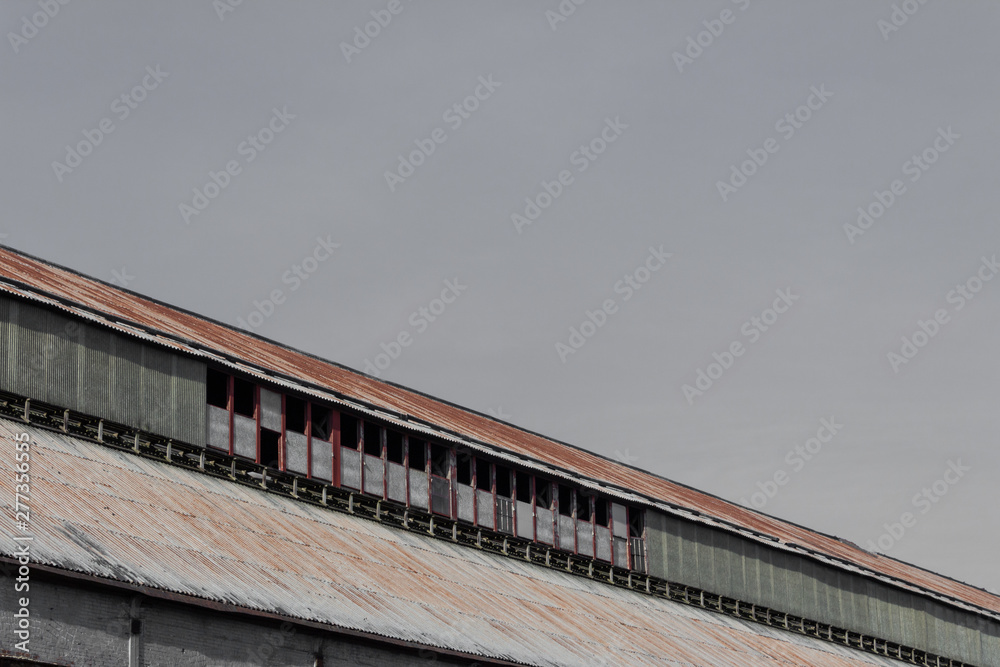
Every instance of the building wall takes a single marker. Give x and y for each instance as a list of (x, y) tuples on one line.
[(52, 357), (727, 564), (90, 626)]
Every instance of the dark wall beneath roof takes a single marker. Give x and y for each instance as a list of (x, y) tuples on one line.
[(50, 356), (727, 564), (90, 625)]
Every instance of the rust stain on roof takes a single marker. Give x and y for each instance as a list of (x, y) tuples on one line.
[(116, 304), (183, 532)]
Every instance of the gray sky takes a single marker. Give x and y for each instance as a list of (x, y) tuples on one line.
[(309, 114)]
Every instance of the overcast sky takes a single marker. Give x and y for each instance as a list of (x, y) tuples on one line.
[(511, 166)]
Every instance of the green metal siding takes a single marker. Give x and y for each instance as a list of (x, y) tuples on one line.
[(54, 357), (728, 564)]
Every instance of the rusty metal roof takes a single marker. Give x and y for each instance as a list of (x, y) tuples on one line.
[(137, 315), (114, 515)]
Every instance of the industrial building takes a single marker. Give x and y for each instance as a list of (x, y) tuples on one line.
[(202, 496)]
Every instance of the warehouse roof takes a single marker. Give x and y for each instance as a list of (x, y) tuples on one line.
[(117, 516), (162, 324)]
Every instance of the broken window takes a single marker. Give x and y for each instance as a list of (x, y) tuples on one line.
[(635, 523), (483, 480), (601, 513), (395, 472), (505, 485), (217, 389), (582, 506), (372, 438), (505, 505), (295, 414), (348, 431), (465, 494), (463, 468), (565, 500), (217, 410), (417, 490), (270, 442), (350, 457), (523, 487), (543, 493), (243, 397), (543, 512), (394, 447), (322, 422), (321, 450), (417, 454), (439, 460)]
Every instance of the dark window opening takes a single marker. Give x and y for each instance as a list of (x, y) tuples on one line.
[(243, 398), (439, 460), (504, 483), (565, 500), (217, 389), (601, 511), (394, 446), (543, 493), (418, 454), (269, 446), (582, 506), (373, 439), (483, 480), (348, 431), (635, 523), (322, 420), (463, 468), (295, 414), (523, 487)]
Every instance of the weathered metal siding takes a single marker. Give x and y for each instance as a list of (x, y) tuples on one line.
[(727, 564), (59, 359)]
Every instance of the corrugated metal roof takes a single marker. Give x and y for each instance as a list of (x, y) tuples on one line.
[(111, 514), (186, 331)]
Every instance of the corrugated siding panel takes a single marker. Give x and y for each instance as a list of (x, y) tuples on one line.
[(53, 357), (94, 392)]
